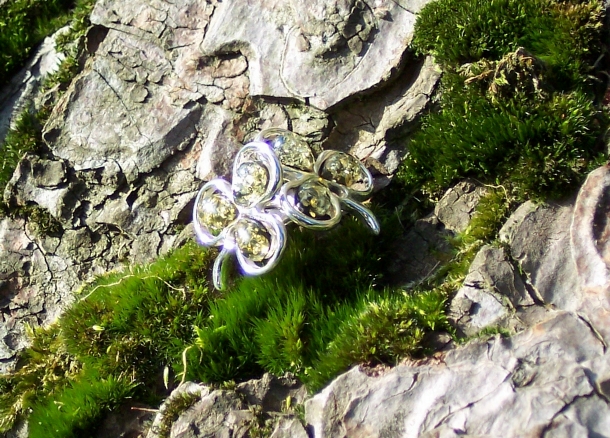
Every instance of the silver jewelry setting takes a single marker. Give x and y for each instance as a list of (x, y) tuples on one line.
[(277, 180)]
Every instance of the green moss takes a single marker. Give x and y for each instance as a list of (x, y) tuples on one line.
[(43, 369), (540, 148), (379, 328), (320, 311), (111, 344), (566, 35), (74, 410), (25, 23), (138, 322), (529, 120), (24, 137)]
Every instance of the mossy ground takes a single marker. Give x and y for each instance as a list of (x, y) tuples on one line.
[(528, 122), (531, 122)]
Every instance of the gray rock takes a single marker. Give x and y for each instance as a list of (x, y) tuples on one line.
[(271, 392), (418, 253), (129, 420), (421, 250), (498, 387), (188, 389), (458, 204), (43, 182), (235, 413), (491, 294), (374, 129), (289, 428), (539, 241), (219, 414), (291, 48)]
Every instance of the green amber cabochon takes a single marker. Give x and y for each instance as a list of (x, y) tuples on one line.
[(256, 175), (250, 182), (314, 199), (290, 149), (346, 170), (215, 211), (253, 239)]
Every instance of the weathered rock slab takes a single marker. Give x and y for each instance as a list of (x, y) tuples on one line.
[(292, 47), (499, 387), (491, 294), (242, 412)]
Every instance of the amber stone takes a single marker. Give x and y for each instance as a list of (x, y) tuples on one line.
[(344, 169), (314, 200), (215, 212), (250, 183), (253, 239), (289, 148)]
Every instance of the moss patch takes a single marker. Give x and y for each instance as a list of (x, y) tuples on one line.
[(520, 99), (111, 344), (320, 311), (25, 23)]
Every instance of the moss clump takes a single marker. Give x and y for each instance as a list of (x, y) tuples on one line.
[(565, 34), (112, 344), (44, 368), (321, 310), (72, 411), (24, 137), (523, 111), (25, 23), (136, 323)]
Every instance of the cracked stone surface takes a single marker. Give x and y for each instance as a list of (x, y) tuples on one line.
[(491, 294), (457, 206), (168, 94), (550, 283), (511, 387), (292, 46), (236, 413)]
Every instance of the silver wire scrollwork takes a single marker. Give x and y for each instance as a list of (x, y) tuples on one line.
[(276, 180)]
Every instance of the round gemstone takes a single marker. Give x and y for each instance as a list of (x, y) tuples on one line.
[(215, 211), (314, 200), (253, 239), (289, 148), (344, 169), (250, 183)]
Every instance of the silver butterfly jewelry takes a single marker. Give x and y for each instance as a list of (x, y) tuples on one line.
[(276, 180)]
